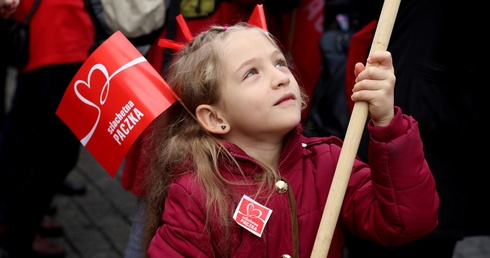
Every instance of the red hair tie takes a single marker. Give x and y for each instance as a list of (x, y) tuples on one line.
[(257, 18)]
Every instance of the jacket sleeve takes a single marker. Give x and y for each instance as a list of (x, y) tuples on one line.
[(183, 233), (393, 200)]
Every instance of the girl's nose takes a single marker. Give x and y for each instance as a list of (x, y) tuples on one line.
[(280, 78)]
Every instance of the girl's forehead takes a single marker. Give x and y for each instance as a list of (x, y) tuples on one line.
[(246, 39), (244, 48)]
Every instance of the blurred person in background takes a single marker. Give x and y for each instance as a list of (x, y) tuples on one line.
[(7, 7), (437, 46), (37, 150)]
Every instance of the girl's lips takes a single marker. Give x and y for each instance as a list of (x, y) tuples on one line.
[(285, 97)]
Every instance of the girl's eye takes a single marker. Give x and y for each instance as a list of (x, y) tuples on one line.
[(281, 63), (251, 73)]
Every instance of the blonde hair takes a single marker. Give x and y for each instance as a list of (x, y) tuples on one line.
[(179, 144)]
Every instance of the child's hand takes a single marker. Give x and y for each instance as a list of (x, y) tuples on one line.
[(375, 85)]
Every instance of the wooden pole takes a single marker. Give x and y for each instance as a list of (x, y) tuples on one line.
[(351, 142)]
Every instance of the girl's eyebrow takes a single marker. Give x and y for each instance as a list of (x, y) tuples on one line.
[(250, 61), (275, 53), (246, 63)]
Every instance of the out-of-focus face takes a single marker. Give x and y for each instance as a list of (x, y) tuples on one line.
[(261, 98), (7, 7)]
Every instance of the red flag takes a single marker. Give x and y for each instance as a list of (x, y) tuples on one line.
[(114, 96)]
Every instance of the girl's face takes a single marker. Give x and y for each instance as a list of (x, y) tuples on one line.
[(261, 97)]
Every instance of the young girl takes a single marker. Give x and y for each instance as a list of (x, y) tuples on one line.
[(233, 176)]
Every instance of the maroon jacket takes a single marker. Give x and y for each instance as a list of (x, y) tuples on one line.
[(392, 202)]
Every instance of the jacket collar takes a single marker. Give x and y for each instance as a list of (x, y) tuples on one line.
[(290, 154)]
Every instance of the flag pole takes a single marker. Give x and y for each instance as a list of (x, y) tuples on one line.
[(351, 141)]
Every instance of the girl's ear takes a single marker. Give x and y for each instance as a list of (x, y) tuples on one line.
[(211, 120)]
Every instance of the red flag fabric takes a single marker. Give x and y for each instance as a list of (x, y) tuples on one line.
[(114, 96)]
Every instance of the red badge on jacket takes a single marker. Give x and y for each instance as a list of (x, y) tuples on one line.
[(252, 215)]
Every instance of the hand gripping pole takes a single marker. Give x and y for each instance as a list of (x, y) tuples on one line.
[(351, 141)]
